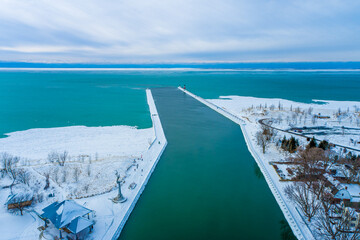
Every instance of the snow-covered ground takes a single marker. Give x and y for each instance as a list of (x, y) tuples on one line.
[(97, 142), (341, 119), (88, 175), (286, 115), (236, 111)]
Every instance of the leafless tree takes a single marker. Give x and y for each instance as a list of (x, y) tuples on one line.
[(76, 174), (302, 195), (351, 169), (59, 158), (56, 175), (19, 200), (47, 180), (325, 225), (53, 157), (262, 141), (310, 109), (23, 176), (8, 163), (309, 161), (63, 157), (64, 176), (265, 136), (88, 170), (86, 187), (313, 119)]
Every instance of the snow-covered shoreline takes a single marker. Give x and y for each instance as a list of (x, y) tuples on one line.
[(154, 153), (136, 159), (299, 227)]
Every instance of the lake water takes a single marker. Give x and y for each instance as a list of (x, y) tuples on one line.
[(94, 98), (206, 184)]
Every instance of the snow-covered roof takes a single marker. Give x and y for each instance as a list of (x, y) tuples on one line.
[(343, 194), (354, 190), (62, 214), (79, 224), (19, 197)]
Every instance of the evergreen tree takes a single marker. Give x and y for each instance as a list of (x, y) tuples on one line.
[(312, 143), (324, 145)]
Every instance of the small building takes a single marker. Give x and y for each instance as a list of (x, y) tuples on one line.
[(348, 193), (342, 195), (19, 200), (68, 216), (321, 116)]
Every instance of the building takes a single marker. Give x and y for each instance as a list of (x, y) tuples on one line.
[(19, 201), (68, 216), (348, 193)]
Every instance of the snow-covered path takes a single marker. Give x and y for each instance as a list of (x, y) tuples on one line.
[(122, 211), (300, 229)]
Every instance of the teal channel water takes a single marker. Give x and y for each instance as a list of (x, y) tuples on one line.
[(33, 99), (206, 184)]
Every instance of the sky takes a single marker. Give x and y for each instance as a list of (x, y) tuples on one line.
[(143, 31)]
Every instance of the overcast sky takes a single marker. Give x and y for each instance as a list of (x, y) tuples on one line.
[(179, 31)]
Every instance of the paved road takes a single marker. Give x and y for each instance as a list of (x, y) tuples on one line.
[(261, 121)]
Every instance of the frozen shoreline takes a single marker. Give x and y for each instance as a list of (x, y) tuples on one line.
[(300, 229), (154, 153), (110, 218)]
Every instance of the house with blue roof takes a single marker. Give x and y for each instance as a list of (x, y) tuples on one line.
[(68, 216)]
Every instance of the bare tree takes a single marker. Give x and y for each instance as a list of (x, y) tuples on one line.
[(313, 119), (23, 176), (310, 109), (47, 180), (351, 169), (309, 161), (325, 225), (56, 175), (8, 163), (63, 157), (88, 170), (76, 174), (20, 201), (53, 157), (59, 158), (302, 195), (262, 141), (64, 176), (330, 225), (264, 137)]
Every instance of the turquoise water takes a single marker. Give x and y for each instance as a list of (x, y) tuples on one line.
[(206, 184), (204, 188), (95, 98)]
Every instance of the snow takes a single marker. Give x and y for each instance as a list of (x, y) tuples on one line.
[(133, 152), (77, 140), (249, 128), (342, 120), (354, 190)]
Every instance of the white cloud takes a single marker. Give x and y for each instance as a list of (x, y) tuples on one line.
[(181, 30)]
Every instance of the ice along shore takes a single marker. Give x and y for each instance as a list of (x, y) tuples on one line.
[(298, 226), (116, 148)]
